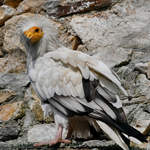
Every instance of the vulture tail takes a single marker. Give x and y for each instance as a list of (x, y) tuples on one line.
[(114, 135), (117, 131)]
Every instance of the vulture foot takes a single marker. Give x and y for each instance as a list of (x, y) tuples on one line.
[(57, 140)]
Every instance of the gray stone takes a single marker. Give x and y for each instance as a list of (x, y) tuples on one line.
[(51, 6), (5, 13), (30, 6), (147, 109), (113, 57), (101, 38), (143, 68), (118, 32), (16, 82), (1, 36), (14, 62), (58, 9), (142, 124), (28, 120), (143, 86), (9, 131), (40, 133), (97, 143), (11, 39), (128, 79), (137, 114)]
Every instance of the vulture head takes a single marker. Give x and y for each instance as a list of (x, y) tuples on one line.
[(39, 35), (34, 34)]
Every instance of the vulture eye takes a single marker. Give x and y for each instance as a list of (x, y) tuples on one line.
[(37, 30)]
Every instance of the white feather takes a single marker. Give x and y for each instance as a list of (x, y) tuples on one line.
[(113, 134)]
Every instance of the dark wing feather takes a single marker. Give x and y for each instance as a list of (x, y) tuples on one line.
[(89, 88), (94, 91)]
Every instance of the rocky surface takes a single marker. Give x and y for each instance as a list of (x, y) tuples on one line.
[(9, 131), (38, 133), (118, 35), (5, 13), (11, 111), (30, 6), (6, 95), (12, 3), (60, 9)]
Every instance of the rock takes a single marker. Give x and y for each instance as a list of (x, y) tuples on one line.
[(134, 100), (147, 109), (1, 36), (11, 39), (113, 57), (143, 67), (15, 82), (75, 42), (35, 97), (29, 119), (51, 7), (143, 86), (97, 143), (37, 111), (130, 112), (12, 3), (147, 130), (13, 110), (5, 13), (148, 71), (54, 8), (128, 77), (9, 131), (137, 113), (43, 132), (88, 29), (1, 53), (6, 95), (115, 32), (141, 125), (143, 146), (91, 31), (30, 6), (140, 56), (138, 117), (134, 78), (14, 62), (34, 103)]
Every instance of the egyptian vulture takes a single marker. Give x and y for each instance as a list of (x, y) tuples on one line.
[(72, 83)]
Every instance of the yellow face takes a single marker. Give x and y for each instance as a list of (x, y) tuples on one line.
[(34, 34)]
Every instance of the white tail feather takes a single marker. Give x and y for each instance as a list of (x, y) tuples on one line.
[(113, 134), (134, 140)]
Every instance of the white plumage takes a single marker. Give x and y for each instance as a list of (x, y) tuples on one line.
[(72, 83)]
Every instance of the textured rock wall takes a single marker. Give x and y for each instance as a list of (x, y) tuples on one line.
[(118, 34)]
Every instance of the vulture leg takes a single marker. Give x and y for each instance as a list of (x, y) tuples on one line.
[(57, 140)]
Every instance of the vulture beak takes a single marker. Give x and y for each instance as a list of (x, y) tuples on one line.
[(34, 34)]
